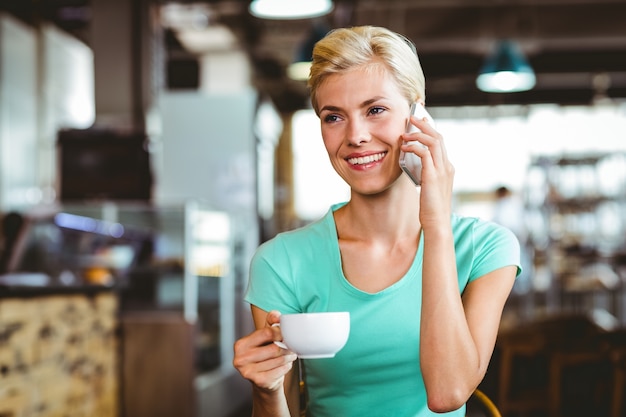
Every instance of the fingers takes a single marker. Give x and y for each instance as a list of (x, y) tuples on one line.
[(437, 170), (265, 367), (258, 347), (261, 361), (423, 125), (273, 317), (271, 380), (432, 149), (272, 321)]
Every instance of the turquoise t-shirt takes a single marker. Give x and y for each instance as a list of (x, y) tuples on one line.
[(377, 373)]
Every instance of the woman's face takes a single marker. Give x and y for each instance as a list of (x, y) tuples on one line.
[(363, 115)]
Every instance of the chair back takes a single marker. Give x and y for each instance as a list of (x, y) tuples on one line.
[(480, 405)]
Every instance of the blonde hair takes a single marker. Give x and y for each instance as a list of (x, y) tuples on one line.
[(367, 46)]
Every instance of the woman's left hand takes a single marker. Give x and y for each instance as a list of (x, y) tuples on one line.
[(437, 173)]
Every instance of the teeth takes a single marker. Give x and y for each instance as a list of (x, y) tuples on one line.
[(366, 159)]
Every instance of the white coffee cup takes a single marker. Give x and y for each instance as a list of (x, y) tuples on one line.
[(315, 335)]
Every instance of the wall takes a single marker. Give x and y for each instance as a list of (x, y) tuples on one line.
[(18, 112), (206, 149), (46, 80)]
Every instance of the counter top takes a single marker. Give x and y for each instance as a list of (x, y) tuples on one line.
[(33, 285)]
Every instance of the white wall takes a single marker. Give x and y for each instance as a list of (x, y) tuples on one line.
[(492, 151), (67, 97), (206, 149), (18, 114), (46, 83)]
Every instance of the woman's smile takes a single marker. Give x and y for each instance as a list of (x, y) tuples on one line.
[(365, 161)]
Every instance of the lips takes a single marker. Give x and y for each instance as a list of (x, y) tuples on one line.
[(368, 159)]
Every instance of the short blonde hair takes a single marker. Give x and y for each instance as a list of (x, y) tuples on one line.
[(348, 48)]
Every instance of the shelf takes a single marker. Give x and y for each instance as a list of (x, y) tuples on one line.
[(577, 222)]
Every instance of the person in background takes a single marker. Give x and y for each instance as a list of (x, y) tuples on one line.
[(425, 288), (508, 210)]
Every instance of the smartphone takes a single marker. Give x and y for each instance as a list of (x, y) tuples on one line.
[(410, 163)]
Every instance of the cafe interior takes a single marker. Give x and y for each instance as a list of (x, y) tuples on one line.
[(148, 147)]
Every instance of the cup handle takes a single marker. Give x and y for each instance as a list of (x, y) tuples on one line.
[(277, 343)]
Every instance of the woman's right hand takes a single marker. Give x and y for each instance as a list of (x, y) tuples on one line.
[(258, 359)]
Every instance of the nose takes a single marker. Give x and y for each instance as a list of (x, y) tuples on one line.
[(357, 132)]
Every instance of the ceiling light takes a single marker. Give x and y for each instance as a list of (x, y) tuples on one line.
[(300, 68), (506, 70), (299, 71), (290, 9)]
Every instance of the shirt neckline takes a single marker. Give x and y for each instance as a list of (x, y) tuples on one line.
[(409, 276)]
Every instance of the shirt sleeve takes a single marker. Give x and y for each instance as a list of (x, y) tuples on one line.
[(271, 285), (495, 247)]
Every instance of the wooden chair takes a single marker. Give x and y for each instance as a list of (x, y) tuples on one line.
[(617, 342), (542, 361), (480, 405)]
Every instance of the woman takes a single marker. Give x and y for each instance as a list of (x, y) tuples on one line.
[(425, 288)]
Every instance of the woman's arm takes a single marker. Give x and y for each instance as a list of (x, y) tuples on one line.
[(268, 367), (457, 334)]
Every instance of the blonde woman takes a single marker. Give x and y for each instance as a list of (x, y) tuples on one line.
[(425, 288)]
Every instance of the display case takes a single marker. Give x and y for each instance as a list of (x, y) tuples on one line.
[(191, 270), (183, 310), (576, 218), (59, 249)]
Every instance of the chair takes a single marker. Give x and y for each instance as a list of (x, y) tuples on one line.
[(545, 361), (480, 405), (617, 343)]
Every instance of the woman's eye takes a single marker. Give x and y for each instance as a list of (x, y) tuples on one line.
[(376, 110), (331, 118)]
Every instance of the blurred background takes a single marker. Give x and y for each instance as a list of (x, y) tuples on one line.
[(148, 147)]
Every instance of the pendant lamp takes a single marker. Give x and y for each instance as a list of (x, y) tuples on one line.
[(290, 9), (301, 65), (506, 70)]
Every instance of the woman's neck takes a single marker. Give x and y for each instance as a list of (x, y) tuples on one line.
[(392, 215)]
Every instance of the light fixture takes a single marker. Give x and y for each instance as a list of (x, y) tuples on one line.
[(506, 70), (299, 70), (290, 9), (300, 67)]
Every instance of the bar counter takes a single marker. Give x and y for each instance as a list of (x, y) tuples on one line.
[(59, 351)]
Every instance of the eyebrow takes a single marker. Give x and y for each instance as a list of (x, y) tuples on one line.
[(366, 103)]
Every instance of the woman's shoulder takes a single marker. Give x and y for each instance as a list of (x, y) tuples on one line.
[(307, 234), (483, 246)]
